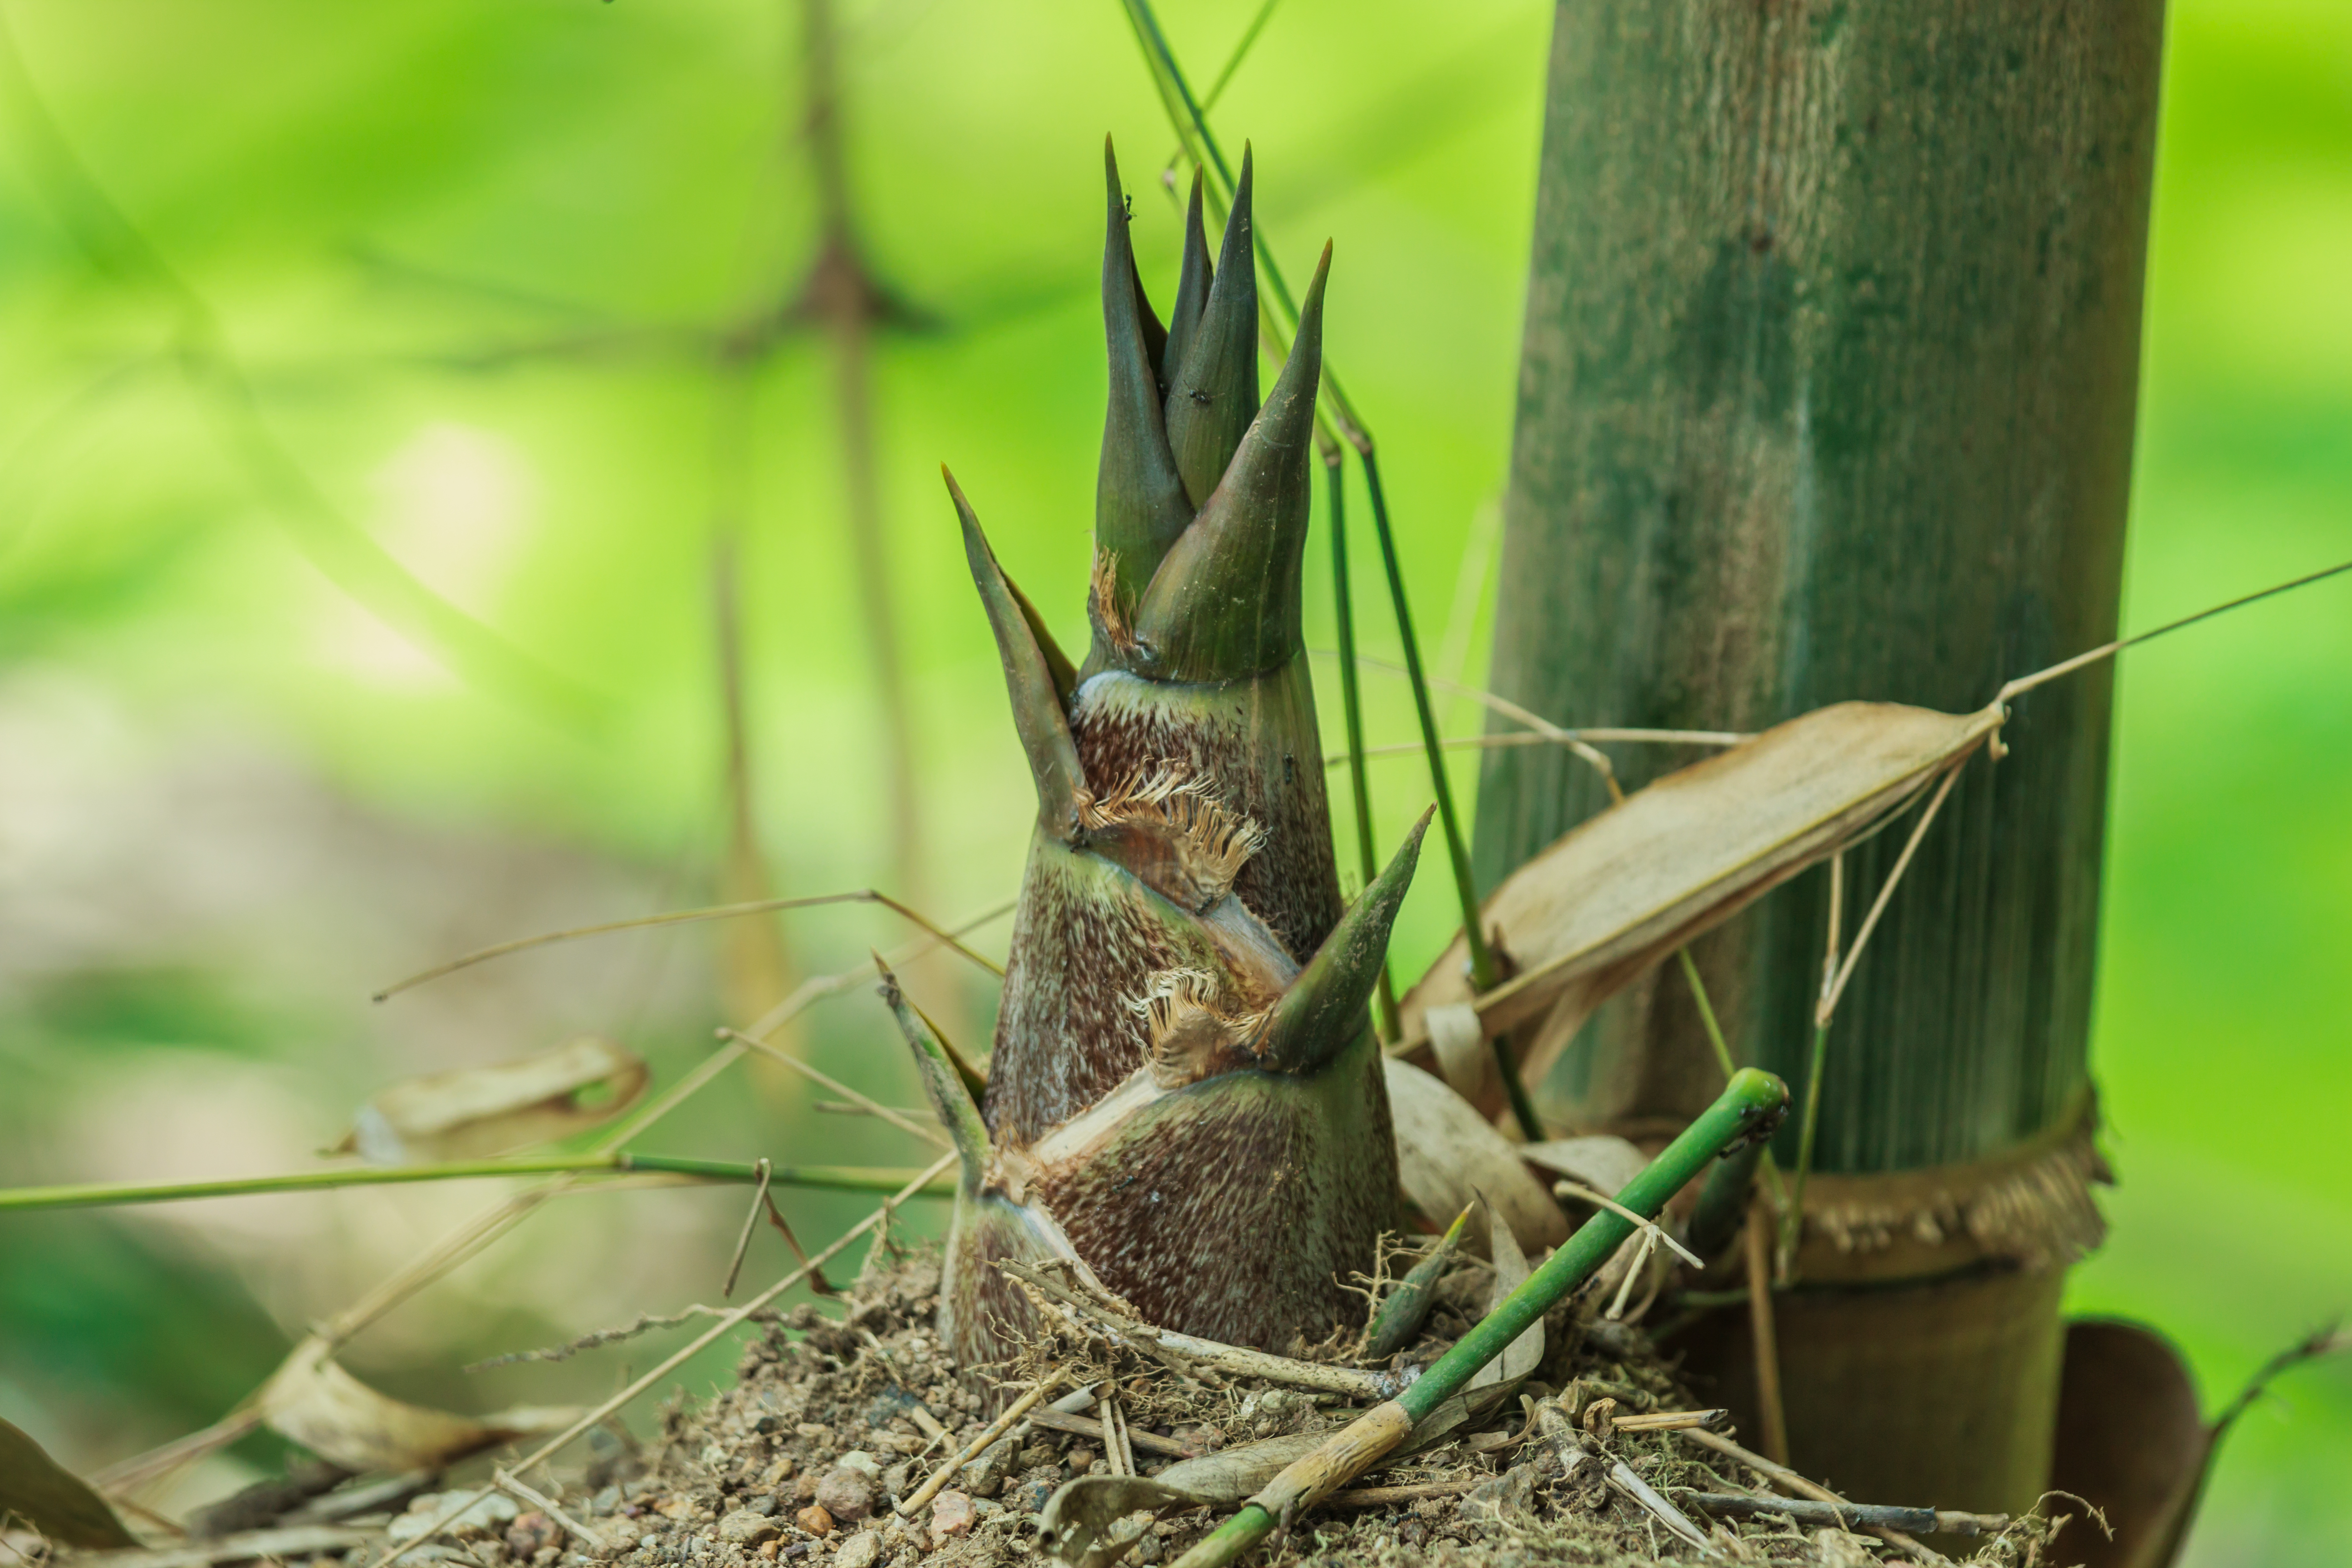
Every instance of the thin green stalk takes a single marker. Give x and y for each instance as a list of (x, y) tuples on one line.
[(1746, 1108), (1793, 1218), (837, 1178), (1192, 128), (1483, 975), (1351, 705), (1241, 53), (1770, 1166)]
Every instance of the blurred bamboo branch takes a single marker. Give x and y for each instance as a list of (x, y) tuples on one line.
[(96, 1194)]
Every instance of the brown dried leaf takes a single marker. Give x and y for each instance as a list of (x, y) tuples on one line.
[(1448, 1154), (317, 1404), (1604, 1162), (2131, 1441), (1229, 1475), (42, 1493), (1620, 890), (1520, 1357), (473, 1113), (1078, 1523)]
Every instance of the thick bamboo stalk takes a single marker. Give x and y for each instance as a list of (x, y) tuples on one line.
[(1828, 391)]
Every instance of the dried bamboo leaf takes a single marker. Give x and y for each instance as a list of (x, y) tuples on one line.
[(1448, 1154), (1520, 1357), (1229, 1474), (2131, 1440), (473, 1113), (314, 1402), (37, 1491), (1602, 1162), (1622, 890), (1079, 1522)]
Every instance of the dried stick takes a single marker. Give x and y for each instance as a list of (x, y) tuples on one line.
[(1558, 1430), (1107, 1419), (1382, 1497), (690, 917), (1354, 1381), (726, 1322), (931, 1135), (587, 1536), (1836, 989), (1766, 1336), (1582, 1193), (1667, 1420), (743, 1242), (1020, 1408), (1789, 1481), (1846, 1516), (1151, 1442)]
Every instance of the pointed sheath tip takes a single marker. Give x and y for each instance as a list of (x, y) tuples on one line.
[(943, 1086), (1401, 864), (1323, 1009), (1310, 309)]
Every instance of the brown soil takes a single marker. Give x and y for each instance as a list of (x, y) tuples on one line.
[(846, 1408)]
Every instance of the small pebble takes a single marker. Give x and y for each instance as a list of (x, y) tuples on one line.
[(846, 1494), (864, 1463), (1081, 1458), (952, 1516), (861, 1550), (814, 1519), (743, 1528), (529, 1533)]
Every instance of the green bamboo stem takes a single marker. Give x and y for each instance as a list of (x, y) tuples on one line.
[(1352, 705), (1747, 1108), (834, 1178)]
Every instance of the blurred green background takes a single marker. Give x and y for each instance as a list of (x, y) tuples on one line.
[(480, 267)]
